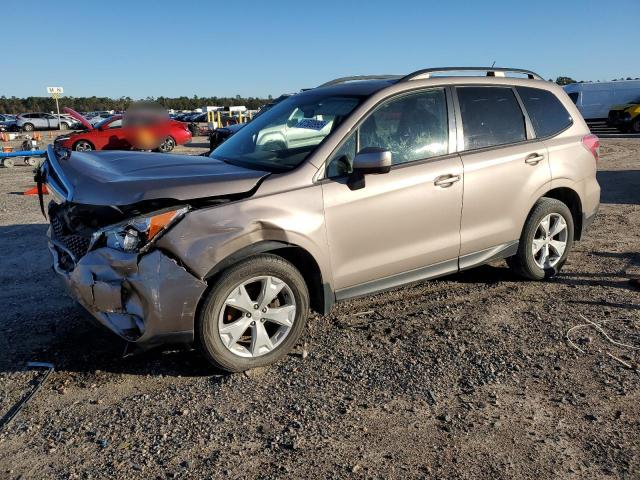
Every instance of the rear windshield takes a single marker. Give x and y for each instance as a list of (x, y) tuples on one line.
[(281, 138), (547, 114)]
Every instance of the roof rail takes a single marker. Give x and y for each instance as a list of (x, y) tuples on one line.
[(359, 77), (489, 72)]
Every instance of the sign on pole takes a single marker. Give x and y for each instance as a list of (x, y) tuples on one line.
[(55, 93)]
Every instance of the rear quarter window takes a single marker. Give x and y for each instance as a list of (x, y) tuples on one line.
[(546, 112)]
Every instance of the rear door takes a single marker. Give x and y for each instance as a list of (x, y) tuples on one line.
[(505, 169), (403, 225)]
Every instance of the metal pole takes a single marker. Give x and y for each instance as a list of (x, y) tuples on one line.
[(58, 109)]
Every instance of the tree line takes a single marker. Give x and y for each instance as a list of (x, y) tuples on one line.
[(87, 104)]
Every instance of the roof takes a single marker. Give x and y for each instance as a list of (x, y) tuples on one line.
[(356, 87)]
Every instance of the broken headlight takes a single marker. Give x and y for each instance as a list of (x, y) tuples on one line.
[(134, 234)]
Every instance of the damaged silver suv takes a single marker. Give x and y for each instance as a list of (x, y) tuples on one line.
[(357, 186)]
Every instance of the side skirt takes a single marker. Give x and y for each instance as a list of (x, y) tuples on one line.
[(488, 255), (387, 283), (433, 271)]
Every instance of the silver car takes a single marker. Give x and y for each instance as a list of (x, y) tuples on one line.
[(344, 190), (41, 121)]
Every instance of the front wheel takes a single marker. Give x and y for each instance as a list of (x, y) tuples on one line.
[(64, 126), (635, 125), (83, 146), (27, 127), (254, 314), (547, 238)]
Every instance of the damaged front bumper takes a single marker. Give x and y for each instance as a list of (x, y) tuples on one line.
[(147, 299)]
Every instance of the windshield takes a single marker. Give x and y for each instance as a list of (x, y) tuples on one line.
[(285, 135)]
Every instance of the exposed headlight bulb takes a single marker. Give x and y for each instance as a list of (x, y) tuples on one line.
[(130, 240)]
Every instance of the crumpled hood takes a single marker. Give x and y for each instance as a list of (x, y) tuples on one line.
[(123, 178)]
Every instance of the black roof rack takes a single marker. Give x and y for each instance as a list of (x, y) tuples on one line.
[(489, 72), (359, 77)]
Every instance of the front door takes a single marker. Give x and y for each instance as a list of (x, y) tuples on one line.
[(403, 225)]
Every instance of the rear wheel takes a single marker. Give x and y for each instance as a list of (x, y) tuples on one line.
[(254, 314), (167, 144), (547, 238), (82, 146), (635, 125)]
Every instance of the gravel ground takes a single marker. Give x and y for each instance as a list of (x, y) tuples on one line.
[(470, 376)]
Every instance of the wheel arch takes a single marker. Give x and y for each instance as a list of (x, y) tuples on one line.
[(571, 199), (321, 297)]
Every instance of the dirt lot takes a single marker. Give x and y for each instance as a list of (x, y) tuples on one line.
[(470, 376)]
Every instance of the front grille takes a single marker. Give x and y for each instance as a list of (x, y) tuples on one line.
[(76, 244)]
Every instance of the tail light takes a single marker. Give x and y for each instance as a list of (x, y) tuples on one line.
[(592, 143)]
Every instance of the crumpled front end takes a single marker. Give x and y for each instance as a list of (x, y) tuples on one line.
[(144, 298)]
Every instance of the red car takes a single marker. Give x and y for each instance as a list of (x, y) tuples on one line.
[(126, 132)]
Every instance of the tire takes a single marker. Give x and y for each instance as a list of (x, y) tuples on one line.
[(528, 264), (83, 146), (635, 125), (167, 144), (216, 314), (27, 127)]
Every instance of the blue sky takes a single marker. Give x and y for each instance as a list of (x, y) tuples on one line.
[(255, 48)]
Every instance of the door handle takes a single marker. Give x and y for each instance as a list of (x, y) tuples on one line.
[(534, 159), (445, 181)]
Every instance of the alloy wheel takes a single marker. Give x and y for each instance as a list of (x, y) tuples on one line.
[(549, 241), (257, 316), (83, 147), (167, 145)]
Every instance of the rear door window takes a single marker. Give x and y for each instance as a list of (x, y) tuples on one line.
[(547, 114), (491, 116), (574, 97)]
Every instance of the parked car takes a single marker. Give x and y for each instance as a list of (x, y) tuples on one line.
[(8, 123), (40, 121), (626, 117), (73, 123), (99, 117), (595, 100), (231, 251), (221, 134), (123, 133)]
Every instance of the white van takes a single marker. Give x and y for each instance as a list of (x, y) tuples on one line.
[(594, 100)]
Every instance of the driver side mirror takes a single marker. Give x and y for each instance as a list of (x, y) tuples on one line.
[(369, 160), (372, 160)]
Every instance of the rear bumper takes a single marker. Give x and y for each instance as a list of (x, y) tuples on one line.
[(587, 220), (148, 300)]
